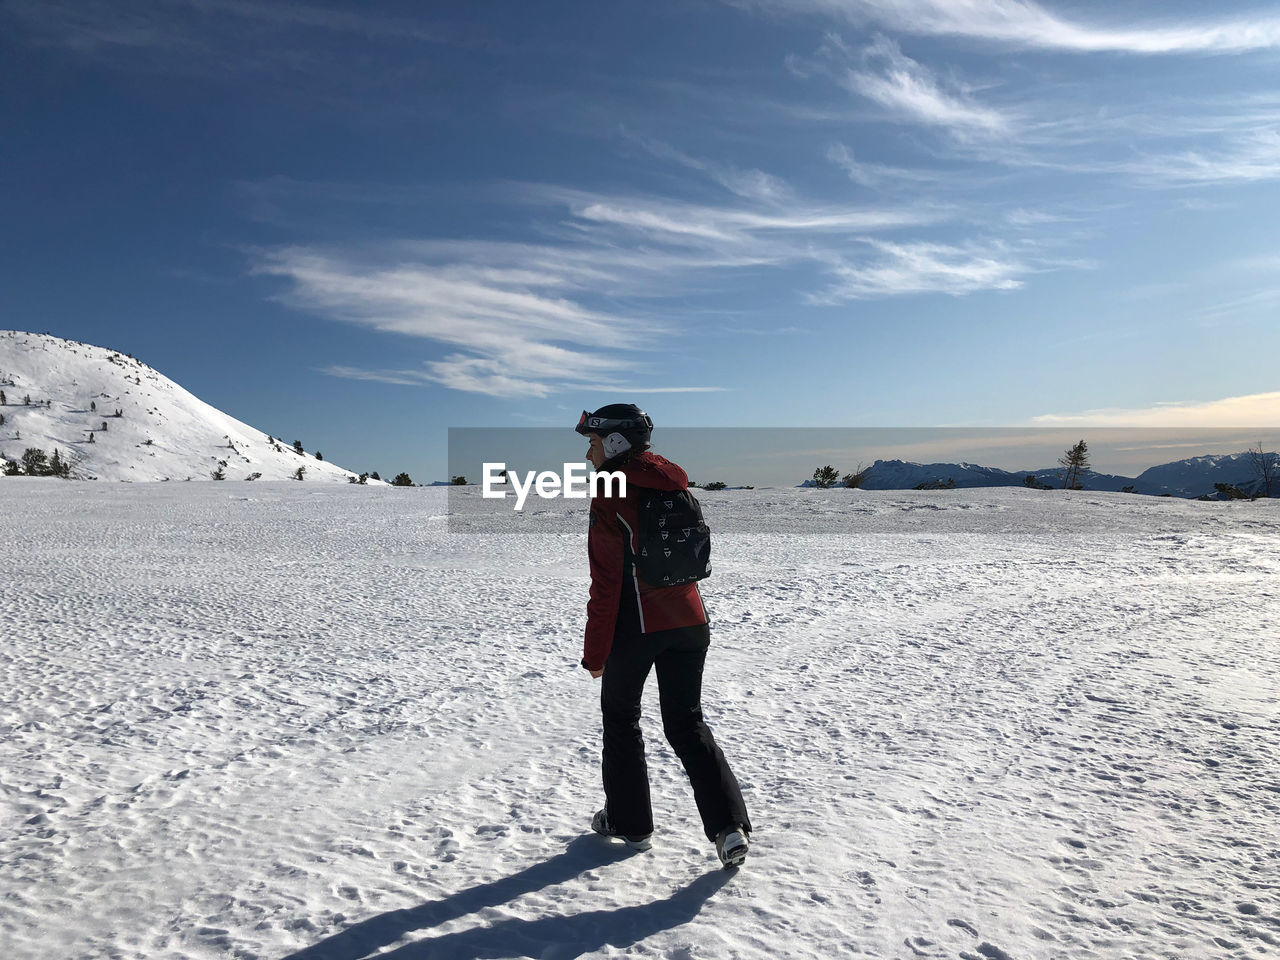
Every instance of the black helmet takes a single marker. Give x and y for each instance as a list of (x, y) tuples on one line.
[(623, 427)]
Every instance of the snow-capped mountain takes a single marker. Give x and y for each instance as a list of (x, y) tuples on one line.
[(1193, 477), (1197, 475), (902, 475), (112, 417)]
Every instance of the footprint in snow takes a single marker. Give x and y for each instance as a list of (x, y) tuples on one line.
[(967, 928)]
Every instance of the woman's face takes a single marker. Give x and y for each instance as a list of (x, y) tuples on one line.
[(595, 452)]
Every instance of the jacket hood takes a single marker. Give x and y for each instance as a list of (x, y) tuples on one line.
[(654, 472)]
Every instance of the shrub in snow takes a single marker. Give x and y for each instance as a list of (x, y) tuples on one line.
[(253, 476), (715, 485), (297, 446), (297, 474), (456, 481), (374, 476), (93, 406), (319, 456), (402, 480), (856, 479), (218, 474)]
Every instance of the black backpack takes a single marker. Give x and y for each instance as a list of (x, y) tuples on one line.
[(674, 542)]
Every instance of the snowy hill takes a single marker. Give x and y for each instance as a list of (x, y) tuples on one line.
[(115, 418)]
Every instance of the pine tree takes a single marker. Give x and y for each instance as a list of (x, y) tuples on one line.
[(402, 480), (57, 466), (297, 474), (35, 463), (1074, 462), (319, 456), (218, 474), (297, 446)]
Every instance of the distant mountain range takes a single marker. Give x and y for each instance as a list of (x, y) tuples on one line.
[(111, 417), (1193, 477)]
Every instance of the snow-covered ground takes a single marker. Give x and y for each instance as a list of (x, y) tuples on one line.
[(284, 719)]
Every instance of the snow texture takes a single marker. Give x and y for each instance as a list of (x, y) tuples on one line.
[(163, 431), (302, 720)]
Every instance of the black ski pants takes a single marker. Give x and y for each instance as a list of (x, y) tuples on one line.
[(678, 655)]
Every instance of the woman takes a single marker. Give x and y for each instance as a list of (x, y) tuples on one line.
[(632, 626)]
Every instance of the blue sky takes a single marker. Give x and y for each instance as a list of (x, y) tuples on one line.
[(362, 224)]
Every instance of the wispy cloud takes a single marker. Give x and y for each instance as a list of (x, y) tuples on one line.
[(739, 227), (876, 174), (408, 378), (1252, 410), (897, 269), (1023, 217), (750, 184), (910, 91), (84, 24), (1023, 23), (527, 319), (307, 48), (640, 390), (1245, 159), (511, 321)]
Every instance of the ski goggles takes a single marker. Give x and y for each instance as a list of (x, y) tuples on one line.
[(603, 426)]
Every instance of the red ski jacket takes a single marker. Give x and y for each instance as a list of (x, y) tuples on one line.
[(611, 545)]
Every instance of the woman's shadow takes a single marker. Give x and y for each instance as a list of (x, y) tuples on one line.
[(560, 937)]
